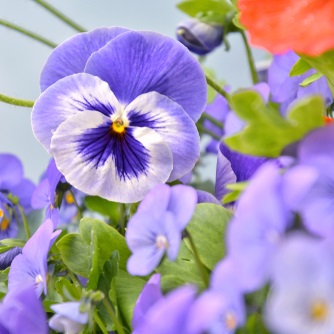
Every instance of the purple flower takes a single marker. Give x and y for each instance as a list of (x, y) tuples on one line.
[(68, 318), (309, 185), (7, 257), (302, 296), (199, 37), (31, 266), (285, 89), (22, 312), (156, 227), (125, 122), (150, 295), (259, 225)]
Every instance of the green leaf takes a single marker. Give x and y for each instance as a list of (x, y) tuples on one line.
[(267, 132), (4, 275), (241, 186), (75, 253), (300, 67), (13, 243), (311, 79), (231, 197), (108, 240), (104, 207), (67, 290), (207, 228), (128, 289), (211, 11)]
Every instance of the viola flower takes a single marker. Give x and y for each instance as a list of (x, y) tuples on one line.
[(21, 311), (68, 317), (126, 123), (31, 265), (156, 227), (199, 37), (6, 258), (280, 26), (301, 300), (285, 89)]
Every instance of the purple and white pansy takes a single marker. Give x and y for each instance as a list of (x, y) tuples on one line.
[(121, 119)]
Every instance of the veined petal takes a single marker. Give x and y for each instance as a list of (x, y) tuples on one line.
[(135, 63), (71, 56), (168, 119), (118, 167), (66, 98)]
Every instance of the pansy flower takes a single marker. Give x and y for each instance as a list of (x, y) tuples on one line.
[(126, 121), (279, 26)]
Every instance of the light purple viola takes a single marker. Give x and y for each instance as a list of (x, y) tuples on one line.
[(199, 37), (68, 318), (12, 182), (6, 258), (126, 121), (174, 307), (22, 312), (302, 295), (309, 185), (150, 295), (285, 89), (255, 233), (31, 266), (156, 227)]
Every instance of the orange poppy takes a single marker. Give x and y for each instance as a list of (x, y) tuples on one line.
[(304, 26)]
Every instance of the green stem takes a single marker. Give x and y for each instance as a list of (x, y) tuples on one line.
[(60, 15), (250, 58), (76, 204), (216, 87), (113, 316), (212, 120), (24, 220), (201, 128), (28, 33), (16, 102), (100, 323), (199, 264), (122, 218)]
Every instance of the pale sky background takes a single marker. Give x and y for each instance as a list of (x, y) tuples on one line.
[(22, 59)]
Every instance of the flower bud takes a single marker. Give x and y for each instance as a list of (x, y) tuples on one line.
[(199, 37)]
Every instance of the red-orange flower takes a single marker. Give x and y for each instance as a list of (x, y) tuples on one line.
[(305, 26)]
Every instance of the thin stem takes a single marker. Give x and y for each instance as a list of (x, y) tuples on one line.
[(100, 322), (60, 15), (76, 204), (201, 128), (216, 87), (113, 316), (199, 264), (28, 33), (74, 279), (24, 220), (212, 120), (250, 58), (16, 102), (122, 218)]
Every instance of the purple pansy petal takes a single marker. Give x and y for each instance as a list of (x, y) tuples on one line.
[(264, 90), (173, 235), (224, 175), (11, 171), (7, 257), (67, 97), (71, 56), (182, 203), (53, 175), (233, 124), (22, 312), (71, 310), (24, 191), (148, 297), (169, 120), (63, 324), (41, 196), (135, 63), (98, 162), (205, 197)]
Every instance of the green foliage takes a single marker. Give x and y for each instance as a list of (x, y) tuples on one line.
[(67, 290), (210, 11), (300, 67), (310, 79), (236, 190), (4, 275), (267, 132), (104, 207), (207, 228)]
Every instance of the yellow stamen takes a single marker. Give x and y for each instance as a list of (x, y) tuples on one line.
[(319, 310), (39, 279), (4, 224), (161, 242), (230, 321), (1, 213), (118, 126), (69, 199)]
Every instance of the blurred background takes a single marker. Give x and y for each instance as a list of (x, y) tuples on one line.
[(22, 59)]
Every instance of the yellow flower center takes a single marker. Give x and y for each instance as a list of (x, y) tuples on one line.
[(39, 279), (69, 199), (230, 321), (4, 224), (319, 310), (1, 213), (118, 126), (161, 242)]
